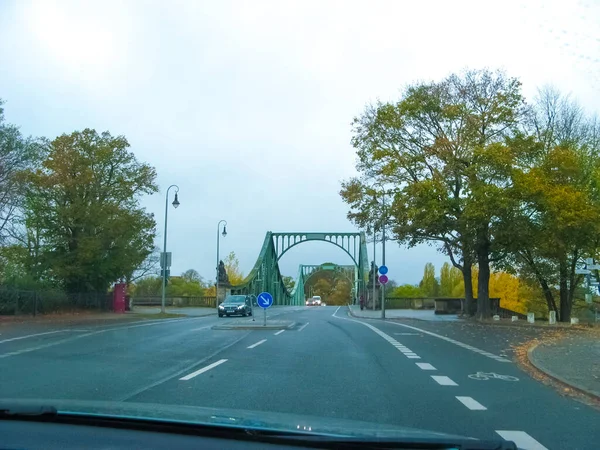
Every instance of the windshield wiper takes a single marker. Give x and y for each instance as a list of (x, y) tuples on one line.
[(16, 411)]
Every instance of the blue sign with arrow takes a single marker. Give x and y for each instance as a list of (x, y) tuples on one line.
[(383, 270), (264, 300)]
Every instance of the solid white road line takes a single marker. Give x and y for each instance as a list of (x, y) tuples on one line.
[(33, 335), (471, 403), (257, 344), (279, 332), (405, 350), (303, 326), (522, 439), (84, 335), (338, 308), (453, 341), (425, 366), (443, 380), (204, 369)]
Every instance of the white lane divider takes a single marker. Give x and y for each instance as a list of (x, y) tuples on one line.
[(279, 332), (522, 439), (455, 342), (443, 380), (257, 344), (471, 403), (34, 335), (303, 326), (204, 369), (425, 366)]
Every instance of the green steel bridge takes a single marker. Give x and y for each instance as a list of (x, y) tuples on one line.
[(265, 276)]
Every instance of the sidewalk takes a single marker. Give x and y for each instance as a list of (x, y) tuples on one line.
[(573, 360), (419, 314)]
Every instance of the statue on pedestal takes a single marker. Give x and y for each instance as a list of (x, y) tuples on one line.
[(223, 277), (373, 273)]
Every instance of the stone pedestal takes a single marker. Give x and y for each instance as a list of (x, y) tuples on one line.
[(223, 291)]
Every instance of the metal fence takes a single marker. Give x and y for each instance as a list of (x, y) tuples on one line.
[(19, 302), (209, 302)]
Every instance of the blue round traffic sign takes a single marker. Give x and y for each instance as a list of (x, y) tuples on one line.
[(383, 270), (264, 299)]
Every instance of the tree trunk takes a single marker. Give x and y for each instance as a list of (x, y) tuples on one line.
[(565, 298), (483, 278), (547, 294), (468, 282)]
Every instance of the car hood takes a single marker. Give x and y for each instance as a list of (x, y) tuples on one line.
[(273, 421), (232, 304)]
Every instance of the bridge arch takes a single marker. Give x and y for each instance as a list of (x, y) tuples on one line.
[(266, 275)]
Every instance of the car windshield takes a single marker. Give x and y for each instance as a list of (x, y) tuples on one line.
[(359, 216), (235, 299)]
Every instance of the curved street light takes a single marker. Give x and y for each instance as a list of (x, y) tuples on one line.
[(164, 255), (224, 233)]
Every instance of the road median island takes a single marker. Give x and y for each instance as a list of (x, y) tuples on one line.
[(248, 324)]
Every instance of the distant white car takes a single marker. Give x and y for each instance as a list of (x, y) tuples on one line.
[(317, 300)]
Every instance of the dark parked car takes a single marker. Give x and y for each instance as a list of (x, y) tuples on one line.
[(236, 305)]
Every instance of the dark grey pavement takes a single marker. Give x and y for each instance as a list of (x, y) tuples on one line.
[(416, 374)]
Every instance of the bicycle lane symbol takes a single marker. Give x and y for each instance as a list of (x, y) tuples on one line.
[(484, 376)]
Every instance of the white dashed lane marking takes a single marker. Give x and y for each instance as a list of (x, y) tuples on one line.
[(257, 344), (522, 439), (443, 380), (204, 369), (471, 403), (279, 332), (425, 366)]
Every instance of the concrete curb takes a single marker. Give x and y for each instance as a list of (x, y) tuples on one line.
[(540, 367), (254, 327)]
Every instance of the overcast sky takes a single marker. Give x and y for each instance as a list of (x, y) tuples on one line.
[(246, 105)]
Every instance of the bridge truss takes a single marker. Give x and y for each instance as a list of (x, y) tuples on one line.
[(266, 275)]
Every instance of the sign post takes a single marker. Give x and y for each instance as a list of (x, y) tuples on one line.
[(383, 279), (264, 300)]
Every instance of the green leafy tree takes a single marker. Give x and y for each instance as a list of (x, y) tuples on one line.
[(450, 278), (82, 204), (429, 284), (184, 287), (191, 276), (442, 151), (17, 155), (558, 192), (150, 286), (289, 282), (408, 291), (232, 266)]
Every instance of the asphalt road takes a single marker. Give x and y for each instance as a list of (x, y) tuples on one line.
[(329, 365)]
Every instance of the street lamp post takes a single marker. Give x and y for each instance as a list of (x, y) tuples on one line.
[(373, 266), (164, 257), (224, 233), (383, 258)]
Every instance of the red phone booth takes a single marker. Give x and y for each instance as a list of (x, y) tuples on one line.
[(119, 297)]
